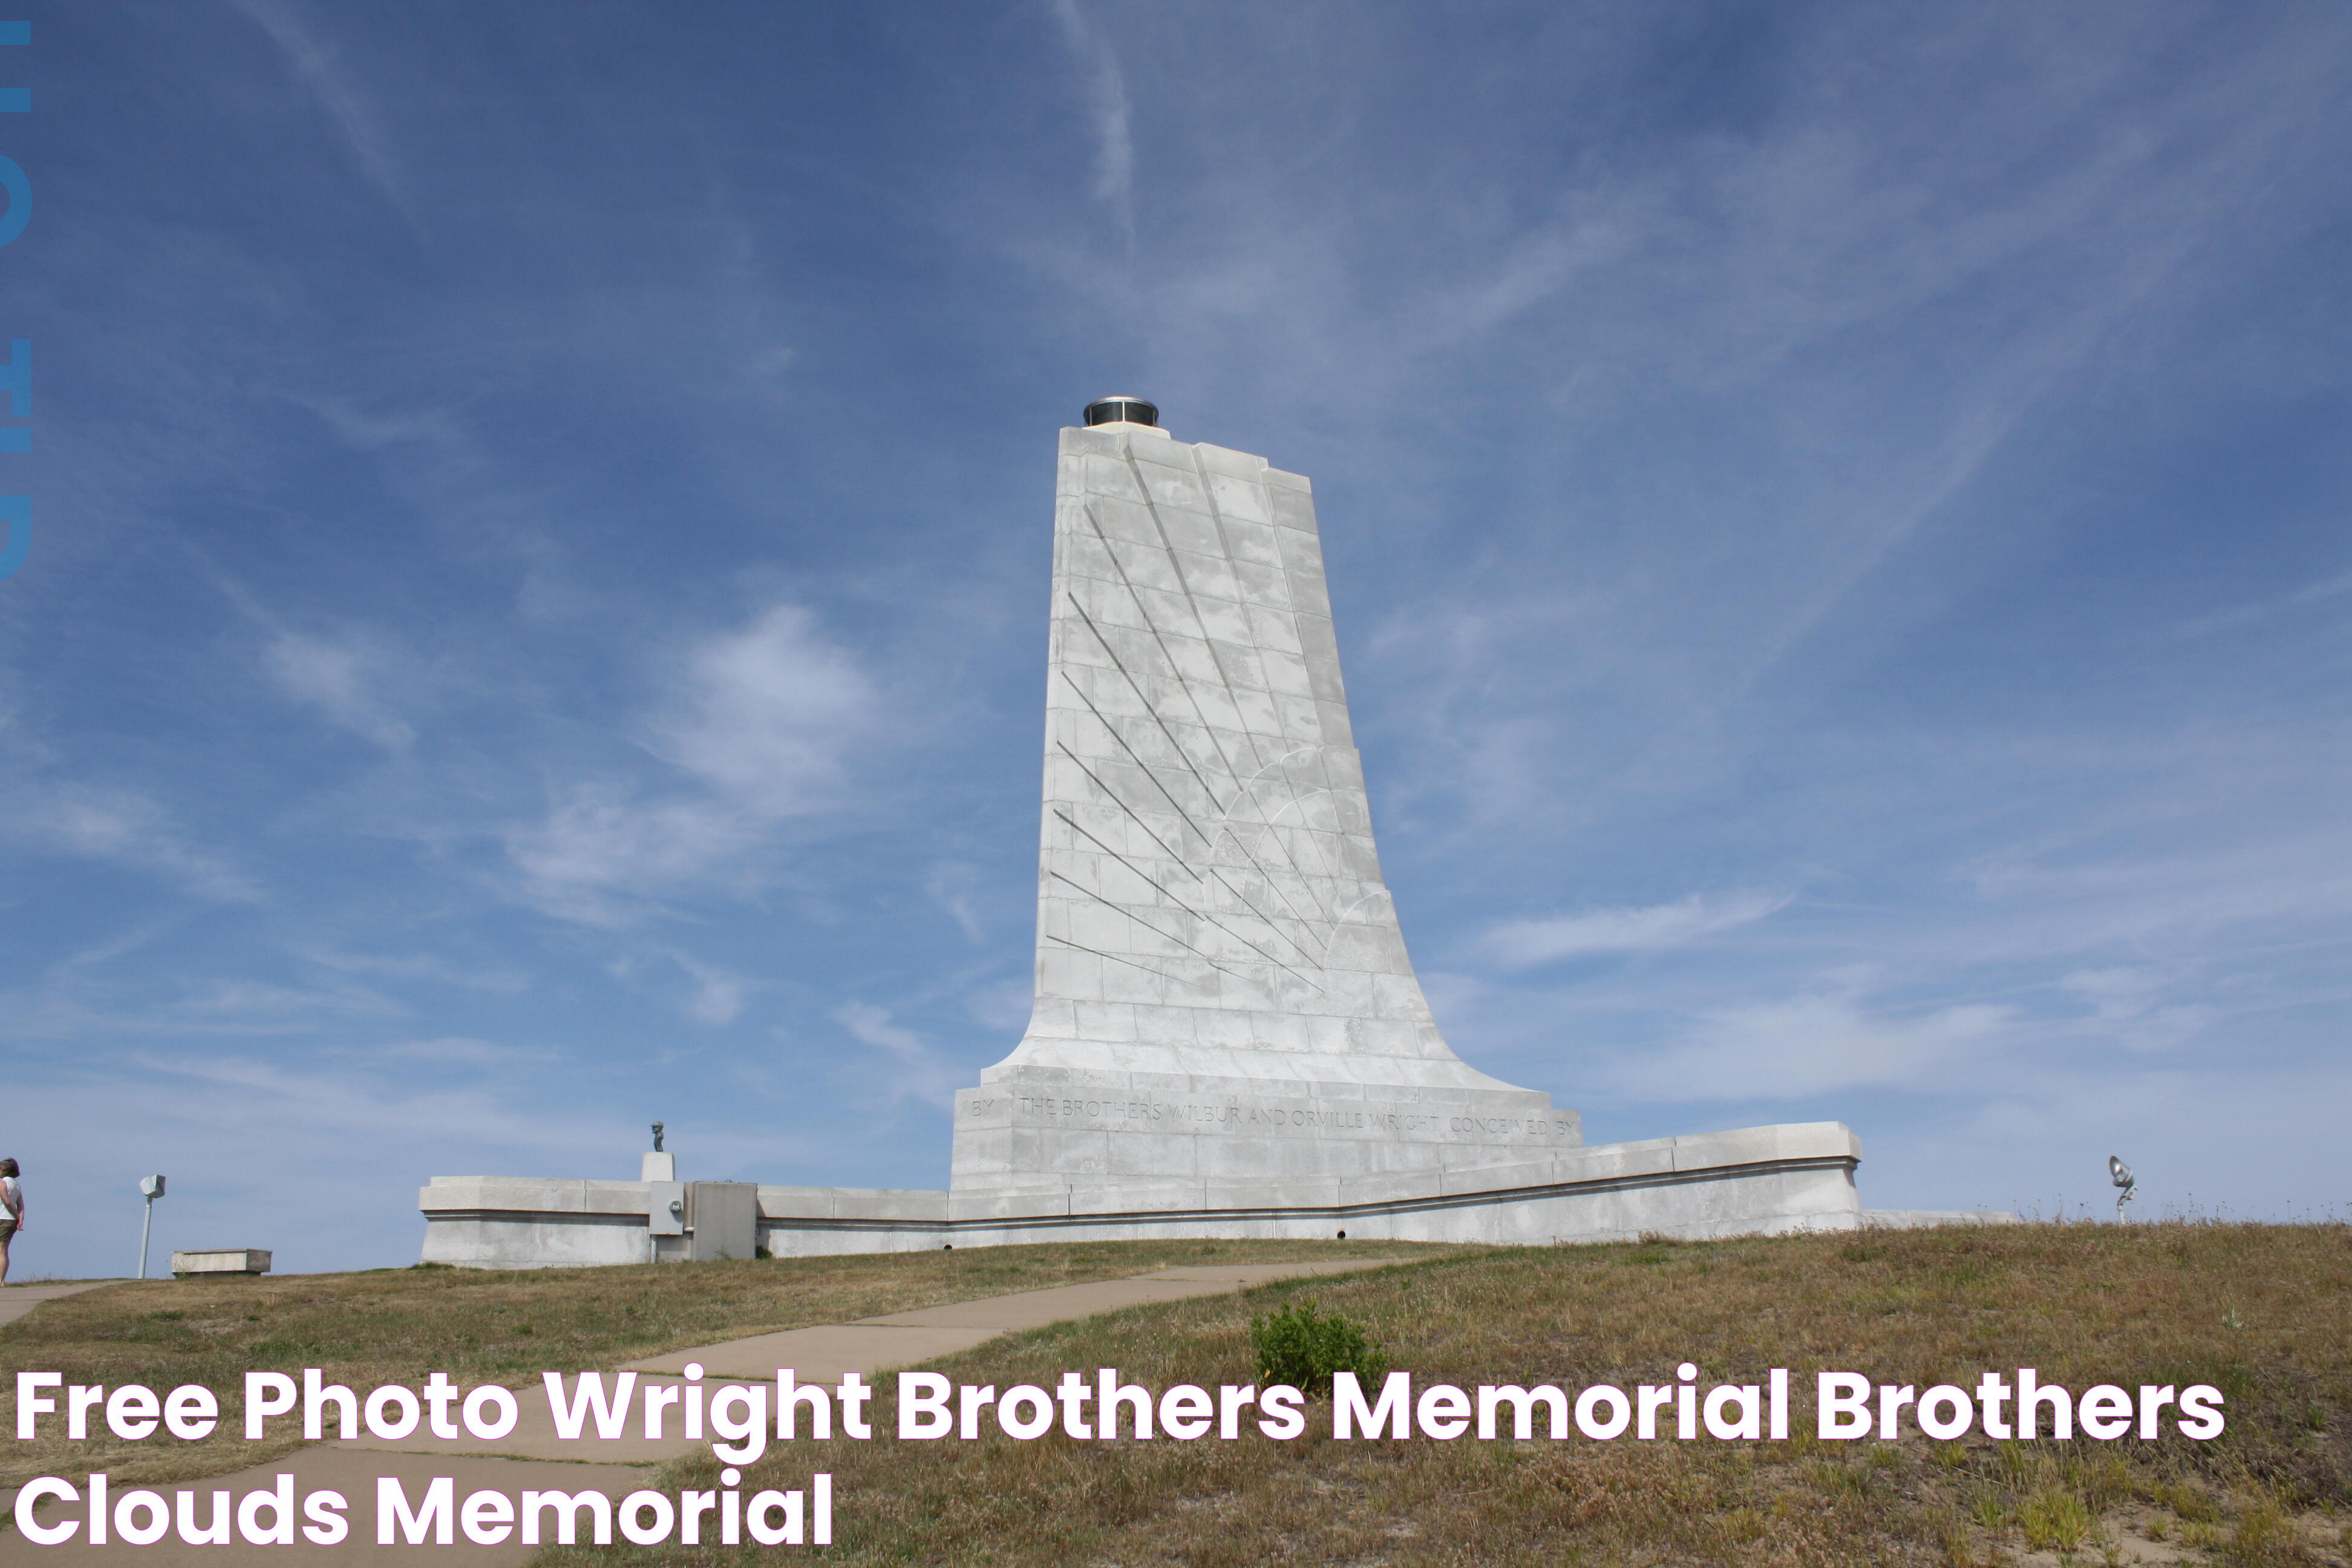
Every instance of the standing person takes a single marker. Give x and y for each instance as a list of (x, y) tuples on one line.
[(12, 1212)]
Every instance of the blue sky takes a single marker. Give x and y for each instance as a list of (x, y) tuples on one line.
[(1837, 517)]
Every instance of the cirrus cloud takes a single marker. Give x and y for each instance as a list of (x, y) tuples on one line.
[(756, 727), (1522, 944)]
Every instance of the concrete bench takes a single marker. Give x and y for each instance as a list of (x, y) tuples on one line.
[(220, 1261)]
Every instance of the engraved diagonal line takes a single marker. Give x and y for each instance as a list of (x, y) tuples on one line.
[(1144, 610), (1330, 927), (1094, 779), (1117, 958), (1147, 925), (1193, 601), (1184, 682), (1298, 803), (1297, 798), (1155, 885), (1321, 859), (1137, 687), (1331, 924), (1208, 839), (1217, 516)]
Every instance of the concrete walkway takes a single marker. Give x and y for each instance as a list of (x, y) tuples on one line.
[(908, 1339), (16, 1300), (533, 1457)]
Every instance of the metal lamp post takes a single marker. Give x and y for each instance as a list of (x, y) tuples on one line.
[(2126, 1186), (150, 1188)]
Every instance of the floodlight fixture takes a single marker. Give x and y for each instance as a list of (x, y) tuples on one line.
[(2125, 1184), (150, 1188)]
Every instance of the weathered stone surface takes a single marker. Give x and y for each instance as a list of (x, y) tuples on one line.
[(1223, 995), (221, 1260), (1752, 1181)]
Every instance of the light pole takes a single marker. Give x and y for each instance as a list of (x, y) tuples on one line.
[(2127, 1188), (150, 1188)]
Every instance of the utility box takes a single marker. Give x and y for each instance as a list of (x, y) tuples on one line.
[(724, 1217), (666, 1208)]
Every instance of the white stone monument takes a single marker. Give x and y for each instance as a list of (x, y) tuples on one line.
[(1228, 1038), (1224, 1011)]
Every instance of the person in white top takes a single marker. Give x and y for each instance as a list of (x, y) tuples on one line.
[(12, 1212)]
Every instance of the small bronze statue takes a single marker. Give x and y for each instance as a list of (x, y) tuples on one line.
[(658, 1129)]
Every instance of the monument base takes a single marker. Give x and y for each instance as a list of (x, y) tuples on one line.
[(1203, 1140), (1755, 1180)]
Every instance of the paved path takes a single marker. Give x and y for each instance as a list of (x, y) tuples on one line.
[(907, 1339), (533, 1456), (16, 1300)]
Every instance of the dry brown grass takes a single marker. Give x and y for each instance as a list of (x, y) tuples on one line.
[(480, 1326), (2263, 1312)]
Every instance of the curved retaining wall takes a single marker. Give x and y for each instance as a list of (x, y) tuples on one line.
[(1757, 1180)]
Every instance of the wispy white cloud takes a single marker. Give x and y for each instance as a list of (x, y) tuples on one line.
[(318, 66), (496, 979), (1005, 1007), (2232, 616), (462, 1051), (760, 723), (764, 715), (1106, 83), (1520, 944), (911, 1070), (2129, 1004), (952, 885), (260, 1002), (324, 1107), (717, 995), (1797, 1047), (126, 828), (347, 681)]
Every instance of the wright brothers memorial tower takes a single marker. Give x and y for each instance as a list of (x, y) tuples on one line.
[(1228, 1038), (1225, 1012)]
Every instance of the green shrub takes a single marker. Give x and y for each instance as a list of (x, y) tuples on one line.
[(1297, 1347)]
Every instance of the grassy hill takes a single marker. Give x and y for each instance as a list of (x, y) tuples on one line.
[(395, 1325), (2263, 1312)]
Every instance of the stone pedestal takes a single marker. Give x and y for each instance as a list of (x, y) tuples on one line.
[(1118, 1136)]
